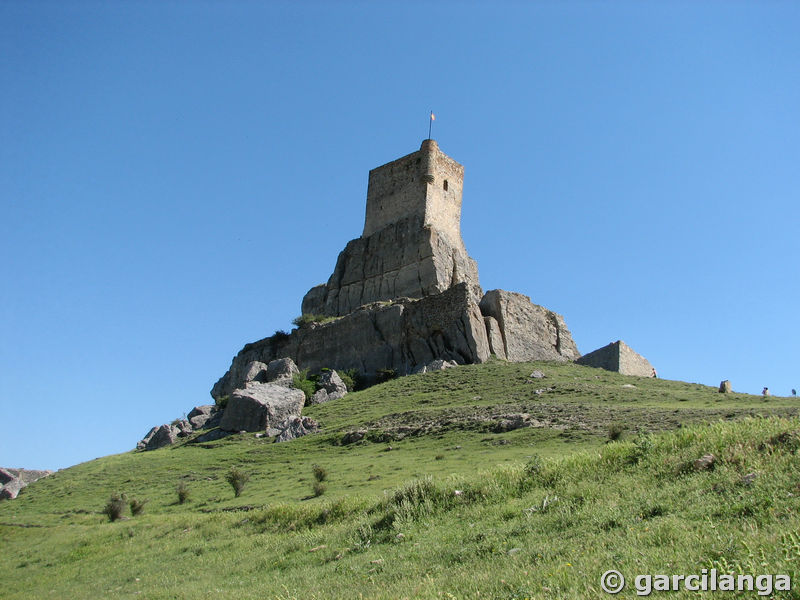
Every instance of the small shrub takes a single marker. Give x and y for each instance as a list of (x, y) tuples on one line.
[(301, 381), (222, 402), (279, 336), (183, 492), (237, 478), (384, 375), (615, 431), (136, 506), (347, 380), (318, 488), (115, 507), (534, 466), (354, 377), (320, 474)]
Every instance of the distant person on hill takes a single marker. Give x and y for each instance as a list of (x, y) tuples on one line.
[(765, 392), (794, 392), (654, 375)]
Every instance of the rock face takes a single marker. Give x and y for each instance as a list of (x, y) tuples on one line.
[(404, 260), (398, 336), (725, 387), (261, 405), (620, 357), (528, 331)]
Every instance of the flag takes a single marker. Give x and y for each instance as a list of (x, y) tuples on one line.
[(433, 117)]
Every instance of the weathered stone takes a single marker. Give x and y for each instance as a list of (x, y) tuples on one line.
[(11, 489), (295, 427), (495, 337), (351, 437), (537, 375), (260, 405), (435, 365), (397, 336), (705, 462), (5, 476), (282, 371), (725, 387), (164, 435), (184, 427), (142, 445), (529, 331), (200, 415), (259, 367), (331, 382), (256, 371), (619, 357)]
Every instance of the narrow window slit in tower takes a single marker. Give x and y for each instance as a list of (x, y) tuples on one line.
[(445, 185)]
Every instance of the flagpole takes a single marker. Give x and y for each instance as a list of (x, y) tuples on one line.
[(430, 124)]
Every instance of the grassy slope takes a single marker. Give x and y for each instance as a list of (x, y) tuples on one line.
[(633, 505)]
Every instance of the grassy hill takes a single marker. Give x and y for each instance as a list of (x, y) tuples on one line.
[(442, 498)]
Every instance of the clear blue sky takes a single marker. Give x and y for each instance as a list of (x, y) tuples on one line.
[(174, 176)]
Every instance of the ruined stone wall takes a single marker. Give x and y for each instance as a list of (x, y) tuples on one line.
[(619, 357)]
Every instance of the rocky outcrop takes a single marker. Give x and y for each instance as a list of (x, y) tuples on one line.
[(399, 335), (13, 481), (295, 427), (405, 259), (279, 371), (331, 387), (527, 331), (259, 406), (619, 357), (436, 365), (202, 416), (725, 387)]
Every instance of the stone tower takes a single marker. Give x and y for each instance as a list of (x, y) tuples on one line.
[(406, 293), (411, 246), (426, 184)]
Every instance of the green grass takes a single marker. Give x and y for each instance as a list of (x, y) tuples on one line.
[(433, 503)]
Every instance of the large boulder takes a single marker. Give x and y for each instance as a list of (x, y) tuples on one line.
[(11, 490), (435, 365), (261, 405), (281, 372), (295, 427), (201, 415), (331, 387), (6, 476), (158, 437), (528, 331), (619, 357), (260, 367)]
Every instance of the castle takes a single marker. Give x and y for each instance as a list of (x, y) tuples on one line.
[(406, 292)]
